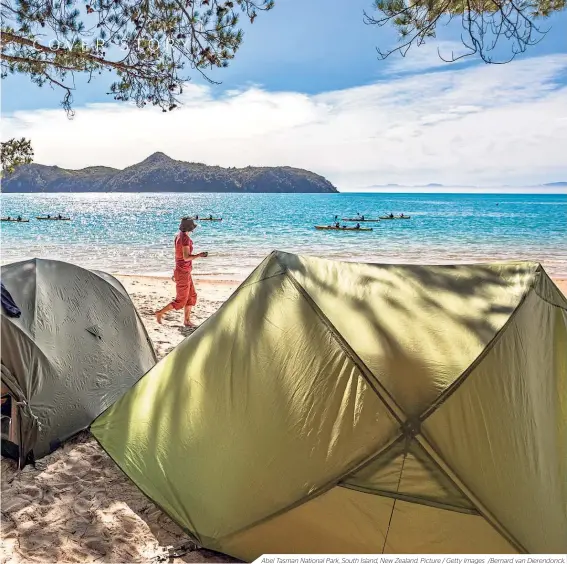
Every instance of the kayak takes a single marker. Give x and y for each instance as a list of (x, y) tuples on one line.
[(54, 218), (398, 217), (14, 220), (360, 220), (331, 228), (207, 219)]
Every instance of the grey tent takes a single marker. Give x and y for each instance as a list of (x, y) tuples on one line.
[(77, 347)]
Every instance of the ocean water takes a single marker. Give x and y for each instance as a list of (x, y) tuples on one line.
[(133, 233)]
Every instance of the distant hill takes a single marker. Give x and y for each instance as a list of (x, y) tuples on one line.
[(435, 185), (160, 173)]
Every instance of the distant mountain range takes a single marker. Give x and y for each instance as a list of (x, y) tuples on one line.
[(433, 185), (160, 173)]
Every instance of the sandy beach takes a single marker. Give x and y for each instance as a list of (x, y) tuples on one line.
[(76, 505)]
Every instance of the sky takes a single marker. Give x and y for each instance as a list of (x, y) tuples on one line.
[(307, 89)]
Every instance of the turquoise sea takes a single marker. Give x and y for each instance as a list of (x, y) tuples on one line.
[(133, 233)]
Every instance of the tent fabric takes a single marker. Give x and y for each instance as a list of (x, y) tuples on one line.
[(360, 408), (8, 303), (350, 522), (77, 347), (410, 470)]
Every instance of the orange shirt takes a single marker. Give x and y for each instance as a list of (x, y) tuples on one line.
[(183, 240)]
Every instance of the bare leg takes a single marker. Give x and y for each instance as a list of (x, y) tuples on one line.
[(162, 312), (187, 320)]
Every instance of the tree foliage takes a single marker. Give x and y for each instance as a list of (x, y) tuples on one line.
[(149, 45), (487, 24), (15, 152)]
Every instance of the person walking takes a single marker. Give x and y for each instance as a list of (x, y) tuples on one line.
[(185, 294)]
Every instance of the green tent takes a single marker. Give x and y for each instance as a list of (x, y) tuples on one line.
[(333, 407), (78, 345)]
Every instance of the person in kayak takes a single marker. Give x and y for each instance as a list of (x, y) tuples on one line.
[(210, 217), (391, 215), (185, 294), (19, 218), (337, 225), (48, 216), (357, 226)]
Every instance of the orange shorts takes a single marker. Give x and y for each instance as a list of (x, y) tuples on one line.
[(185, 294)]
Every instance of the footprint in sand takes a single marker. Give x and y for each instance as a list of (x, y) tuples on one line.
[(26, 526), (68, 478), (14, 503), (50, 514), (82, 507), (33, 493), (6, 525), (80, 467), (96, 458), (96, 545), (37, 541), (129, 524), (41, 465), (48, 498)]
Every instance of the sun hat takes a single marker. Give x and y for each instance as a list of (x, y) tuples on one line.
[(187, 224)]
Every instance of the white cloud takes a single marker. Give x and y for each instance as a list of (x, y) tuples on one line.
[(477, 125)]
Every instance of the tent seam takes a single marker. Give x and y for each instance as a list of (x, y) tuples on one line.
[(495, 523), (548, 301), (395, 499), (492, 521), (244, 285), (449, 391), (366, 373), (380, 453), (540, 273), (412, 499), (447, 394), (336, 482)]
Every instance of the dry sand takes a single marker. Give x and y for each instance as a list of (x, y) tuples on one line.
[(76, 505), (151, 293)]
